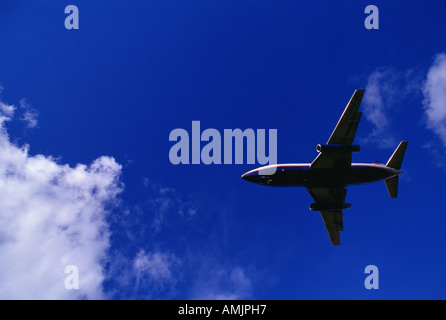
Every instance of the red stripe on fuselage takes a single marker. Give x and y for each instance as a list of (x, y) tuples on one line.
[(388, 170), (279, 166)]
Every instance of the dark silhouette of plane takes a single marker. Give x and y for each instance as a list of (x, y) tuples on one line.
[(327, 177)]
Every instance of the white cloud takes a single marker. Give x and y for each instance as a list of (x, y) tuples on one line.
[(30, 114), (164, 201), (388, 94), (156, 266), (223, 284), (145, 275), (434, 90), (51, 216), (6, 112), (378, 98)]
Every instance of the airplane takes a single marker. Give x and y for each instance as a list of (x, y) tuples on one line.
[(327, 177)]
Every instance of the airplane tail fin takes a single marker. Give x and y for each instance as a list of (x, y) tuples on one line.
[(397, 157), (395, 162)]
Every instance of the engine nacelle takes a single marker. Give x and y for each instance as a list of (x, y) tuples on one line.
[(337, 148), (329, 206)]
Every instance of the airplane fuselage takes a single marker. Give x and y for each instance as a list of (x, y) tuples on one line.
[(302, 174)]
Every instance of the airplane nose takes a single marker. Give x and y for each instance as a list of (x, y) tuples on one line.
[(249, 176), (245, 176), (261, 175)]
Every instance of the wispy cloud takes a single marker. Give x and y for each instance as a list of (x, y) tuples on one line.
[(155, 270), (219, 283), (378, 99), (434, 91), (156, 265), (30, 115), (6, 113), (387, 91), (52, 215), (434, 104), (165, 201)]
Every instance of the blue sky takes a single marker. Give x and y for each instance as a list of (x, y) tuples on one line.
[(85, 173)]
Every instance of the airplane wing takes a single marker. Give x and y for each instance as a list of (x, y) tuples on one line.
[(326, 198), (343, 134), (333, 224)]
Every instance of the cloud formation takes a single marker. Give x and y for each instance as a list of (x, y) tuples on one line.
[(219, 283), (434, 91), (154, 270), (30, 114), (164, 201), (52, 215), (379, 96)]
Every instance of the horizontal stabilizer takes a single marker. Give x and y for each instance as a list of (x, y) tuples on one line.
[(392, 186)]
